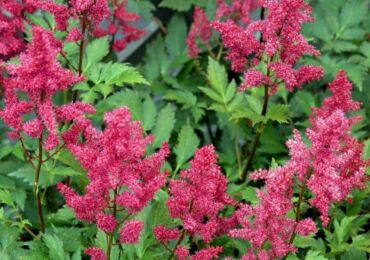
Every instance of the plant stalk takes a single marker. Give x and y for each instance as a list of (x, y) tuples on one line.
[(298, 212), (36, 186), (111, 235)]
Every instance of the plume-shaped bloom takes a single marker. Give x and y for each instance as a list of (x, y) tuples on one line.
[(277, 37), (96, 253), (199, 196), (40, 77), (121, 26), (116, 164), (330, 168), (200, 28), (11, 28)]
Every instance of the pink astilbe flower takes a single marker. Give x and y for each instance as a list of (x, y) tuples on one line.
[(107, 223), (330, 168), (163, 234), (130, 233), (60, 11), (200, 28), (239, 10), (114, 159), (199, 195), (182, 253), (207, 253), (254, 78), (11, 28), (94, 11), (39, 76), (121, 26), (96, 253), (280, 39)]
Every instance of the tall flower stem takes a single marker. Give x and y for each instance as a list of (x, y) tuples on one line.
[(298, 212), (257, 137), (182, 236), (111, 235), (81, 56), (36, 186)]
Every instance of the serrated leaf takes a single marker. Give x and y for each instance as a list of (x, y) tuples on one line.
[(149, 113), (279, 113), (212, 94), (314, 255), (64, 171), (177, 32), (5, 150), (96, 51), (55, 245), (6, 197), (184, 97), (187, 143), (128, 75), (217, 76), (164, 126)]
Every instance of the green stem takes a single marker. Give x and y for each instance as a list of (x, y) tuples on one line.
[(81, 57), (111, 235), (36, 185), (297, 213), (258, 135), (182, 236)]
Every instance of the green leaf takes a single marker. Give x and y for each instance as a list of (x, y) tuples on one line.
[(212, 94), (187, 144), (176, 36), (178, 5), (64, 171), (6, 197), (314, 255), (164, 126), (149, 113), (96, 51), (279, 113), (55, 245), (217, 76), (5, 150)]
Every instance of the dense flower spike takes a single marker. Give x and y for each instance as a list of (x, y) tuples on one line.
[(39, 76), (114, 162), (280, 39), (163, 234), (121, 27), (200, 194), (96, 253), (11, 27), (130, 233), (331, 167), (92, 11), (60, 11), (201, 27)]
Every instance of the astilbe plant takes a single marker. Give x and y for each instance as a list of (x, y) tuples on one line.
[(197, 199), (122, 180), (29, 92), (329, 168)]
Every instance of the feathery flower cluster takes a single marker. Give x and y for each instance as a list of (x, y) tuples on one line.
[(39, 76), (197, 199), (209, 253), (281, 38), (200, 27), (331, 167), (239, 11), (121, 27), (115, 163), (60, 11), (11, 27)]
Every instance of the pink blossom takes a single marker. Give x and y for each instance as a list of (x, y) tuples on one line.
[(200, 194), (280, 39), (107, 223), (95, 11), (11, 28), (254, 78), (60, 11), (200, 28), (130, 233), (164, 234), (96, 253), (182, 252), (208, 253), (39, 76), (122, 27), (306, 227), (74, 35)]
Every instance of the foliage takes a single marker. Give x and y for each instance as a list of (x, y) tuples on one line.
[(224, 113)]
